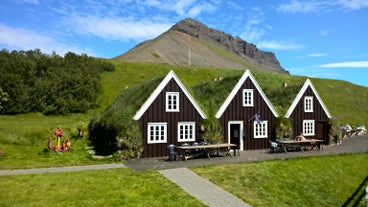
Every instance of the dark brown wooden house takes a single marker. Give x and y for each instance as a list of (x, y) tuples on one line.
[(169, 116), (308, 114), (247, 116)]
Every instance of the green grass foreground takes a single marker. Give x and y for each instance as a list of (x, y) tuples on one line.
[(118, 187), (338, 180)]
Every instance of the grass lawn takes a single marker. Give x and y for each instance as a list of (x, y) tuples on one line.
[(117, 187), (314, 181), (23, 138), (338, 180), (24, 157)]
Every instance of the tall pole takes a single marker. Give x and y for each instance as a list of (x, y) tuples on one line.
[(189, 58)]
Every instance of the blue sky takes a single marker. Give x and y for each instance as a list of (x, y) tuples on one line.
[(315, 38)]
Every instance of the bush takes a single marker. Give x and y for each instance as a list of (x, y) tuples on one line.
[(283, 128), (50, 84), (334, 134), (211, 130)]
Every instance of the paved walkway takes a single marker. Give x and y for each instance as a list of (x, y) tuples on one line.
[(351, 145), (209, 193), (60, 169)]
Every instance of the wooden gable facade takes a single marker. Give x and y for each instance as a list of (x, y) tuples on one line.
[(308, 114), (238, 115), (169, 116)]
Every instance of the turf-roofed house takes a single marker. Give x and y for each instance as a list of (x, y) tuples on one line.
[(247, 116), (170, 115), (308, 114)]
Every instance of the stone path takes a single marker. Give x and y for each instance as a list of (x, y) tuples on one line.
[(60, 169), (209, 193)]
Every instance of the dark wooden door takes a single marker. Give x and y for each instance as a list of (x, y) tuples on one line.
[(321, 134), (235, 134)]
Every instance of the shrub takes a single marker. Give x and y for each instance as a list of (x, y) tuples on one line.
[(283, 128), (211, 130), (334, 134)]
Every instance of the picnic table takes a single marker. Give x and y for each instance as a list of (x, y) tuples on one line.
[(303, 144), (207, 149)]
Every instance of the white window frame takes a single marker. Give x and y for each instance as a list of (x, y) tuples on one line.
[(308, 104), (248, 97), (156, 132), (171, 104), (308, 127), (186, 131), (260, 130)]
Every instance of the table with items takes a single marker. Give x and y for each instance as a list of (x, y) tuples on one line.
[(302, 145), (208, 150)]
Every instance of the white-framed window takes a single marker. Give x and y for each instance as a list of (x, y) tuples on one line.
[(260, 129), (308, 104), (308, 127), (186, 131), (157, 132), (172, 101), (247, 97)]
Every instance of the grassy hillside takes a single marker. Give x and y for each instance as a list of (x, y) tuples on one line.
[(345, 101)]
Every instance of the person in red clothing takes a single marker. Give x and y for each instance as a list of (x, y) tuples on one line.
[(59, 135)]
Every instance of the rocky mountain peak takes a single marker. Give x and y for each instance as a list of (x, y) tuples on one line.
[(234, 44)]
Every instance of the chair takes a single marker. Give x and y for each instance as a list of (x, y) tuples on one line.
[(172, 152), (196, 152), (187, 152), (274, 147)]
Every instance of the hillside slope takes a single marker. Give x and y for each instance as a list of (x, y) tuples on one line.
[(349, 105), (191, 43)]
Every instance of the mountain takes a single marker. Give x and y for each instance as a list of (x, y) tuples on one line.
[(192, 43)]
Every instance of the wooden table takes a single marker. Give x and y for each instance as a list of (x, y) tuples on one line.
[(206, 150), (285, 144)]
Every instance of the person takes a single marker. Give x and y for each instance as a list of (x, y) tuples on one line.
[(50, 145), (67, 145), (59, 135), (80, 131), (300, 137)]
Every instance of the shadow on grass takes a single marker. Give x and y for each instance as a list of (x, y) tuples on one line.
[(358, 194)]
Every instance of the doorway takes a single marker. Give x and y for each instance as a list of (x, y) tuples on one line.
[(236, 133), (321, 131)]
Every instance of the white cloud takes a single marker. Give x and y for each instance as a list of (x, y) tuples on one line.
[(278, 45), (30, 1), (324, 32), (256, 29), (117, 28), (354, 4), (181, 6), (302, 6), (23, 39), (352, 64), (253, 31), (295, 6), (186, 8), (317, 55)]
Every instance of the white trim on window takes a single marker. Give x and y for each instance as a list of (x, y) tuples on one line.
[(308, 104), (172, 101), (308, 127), (156, 132), (247, 97), (260, 129), (186, 131)]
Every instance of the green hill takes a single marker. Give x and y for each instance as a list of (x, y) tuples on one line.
[(345, 101)]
